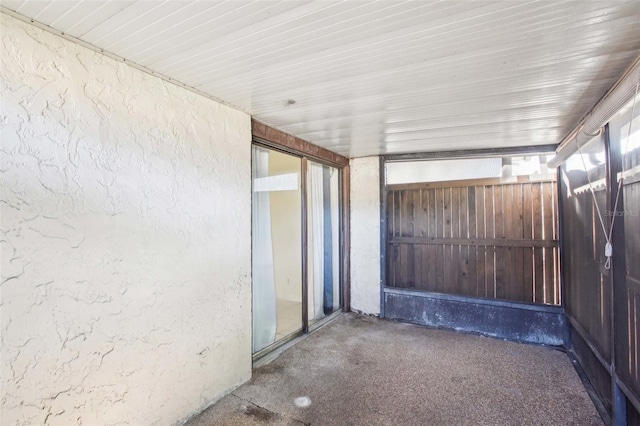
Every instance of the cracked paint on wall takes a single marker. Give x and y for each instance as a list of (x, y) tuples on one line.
[(125, 246), (365, 235)]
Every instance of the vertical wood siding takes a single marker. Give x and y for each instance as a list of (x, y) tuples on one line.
[(628, 339), (496, 241)]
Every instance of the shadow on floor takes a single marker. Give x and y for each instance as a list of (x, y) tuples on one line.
[(363, 371)]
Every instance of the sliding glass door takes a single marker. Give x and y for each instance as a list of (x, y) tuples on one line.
[(323, 251), (296, 217), (277, 246)]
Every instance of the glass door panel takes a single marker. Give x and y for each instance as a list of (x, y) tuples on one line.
[(323, 251), (276, 246)]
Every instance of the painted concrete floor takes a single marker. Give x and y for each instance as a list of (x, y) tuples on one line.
[(362, 371)]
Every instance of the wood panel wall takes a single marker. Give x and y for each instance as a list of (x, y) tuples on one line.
[(487, 240), (603, 305), (628, 338)]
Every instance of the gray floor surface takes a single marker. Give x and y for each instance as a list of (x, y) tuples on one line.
[(360, 370)]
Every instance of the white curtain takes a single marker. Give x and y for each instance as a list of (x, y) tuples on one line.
[(264, 285), (316, 238)]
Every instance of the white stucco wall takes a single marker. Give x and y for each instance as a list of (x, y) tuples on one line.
[(365, 235), (125, 246)]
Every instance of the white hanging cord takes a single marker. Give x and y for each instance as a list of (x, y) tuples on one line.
[(620, 181), (608, 249)]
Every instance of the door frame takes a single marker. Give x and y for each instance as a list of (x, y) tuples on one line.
[(268, 137)]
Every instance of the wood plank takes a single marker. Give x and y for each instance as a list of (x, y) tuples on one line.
[(463, 250), (509, 261), (527, 232), (484, 242), (446, 213), (431, 211), (391, 257), (402, 267), (469, 182), (419, 229), (500, 267), (490, 255), (410, 266), (456, 283), (419, 217), (407, 265), (420, 213), (428, 209), (437, 231), (394, 214), (556, 251), (632, 254), (520, 293), (538, 264), (448, 269), (481, 273), (401, 263), (632, 227), (423, 265), (447, 232), (418, 267), (548, 226), (472, 250), (406, 209)]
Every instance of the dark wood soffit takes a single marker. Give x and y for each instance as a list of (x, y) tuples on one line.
[(287, 141)]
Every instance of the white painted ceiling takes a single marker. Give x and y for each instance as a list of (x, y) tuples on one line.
[(364, 77)]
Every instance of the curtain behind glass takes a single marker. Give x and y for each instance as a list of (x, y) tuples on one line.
[(323, 236), (316, 238), (264, 286)]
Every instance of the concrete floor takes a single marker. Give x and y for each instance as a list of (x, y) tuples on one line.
[(362, 371)]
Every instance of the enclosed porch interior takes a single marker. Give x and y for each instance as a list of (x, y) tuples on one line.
[(406, 212)]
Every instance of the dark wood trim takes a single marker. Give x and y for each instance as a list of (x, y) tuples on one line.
[(345, 235), (494, 242), (273, 137), (587, 340), (383, 234), (472, 153), (465, 183), (304, 254)]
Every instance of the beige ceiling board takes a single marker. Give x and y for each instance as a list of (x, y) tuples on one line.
[(412, 107), (364, 77), (273, 47), (413, 47), (228, 29), (112, 25), (518, 53)]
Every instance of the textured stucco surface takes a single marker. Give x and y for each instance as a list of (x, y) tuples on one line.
[(365, 235), (125, 246)]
